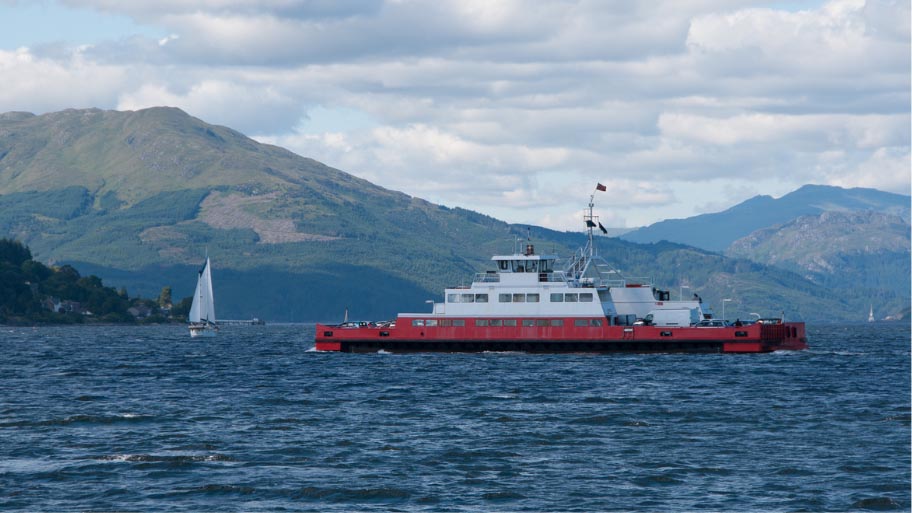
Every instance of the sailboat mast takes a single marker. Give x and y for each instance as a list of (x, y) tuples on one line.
[(199, 288)]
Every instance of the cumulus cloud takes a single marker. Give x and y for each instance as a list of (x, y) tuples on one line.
[(36, 84), (885, 169), (812, 131), (248, 107), (513, 108)]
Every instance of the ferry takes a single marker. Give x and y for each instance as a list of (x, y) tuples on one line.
[(529, 304)]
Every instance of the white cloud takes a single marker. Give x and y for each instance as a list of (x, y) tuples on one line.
[(512, 108), (858, 131), (885, 169), (238, 105), (36, 84), (425, 161)]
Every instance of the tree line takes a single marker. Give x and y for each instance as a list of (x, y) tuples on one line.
[(33, 293)]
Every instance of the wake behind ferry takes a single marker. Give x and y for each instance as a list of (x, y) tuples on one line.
[(527, 304)]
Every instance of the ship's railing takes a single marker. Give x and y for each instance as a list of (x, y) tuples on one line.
[(488, 277), (549, 277), (552, 277), (642, 281), (614, 283)]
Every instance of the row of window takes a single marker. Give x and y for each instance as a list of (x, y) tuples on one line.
[(467, 298), (570, 297), (505, 322), (438, 322), (525, 266), (584, 297)]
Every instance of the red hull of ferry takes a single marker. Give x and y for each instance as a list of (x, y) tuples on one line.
[(567, 338)]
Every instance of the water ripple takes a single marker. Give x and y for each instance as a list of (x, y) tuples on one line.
[(145, 419)]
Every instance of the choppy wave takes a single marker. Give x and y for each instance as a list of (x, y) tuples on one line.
[(79, 419), (144, 419), (167, 458)]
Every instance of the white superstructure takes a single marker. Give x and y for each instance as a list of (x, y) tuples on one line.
[(530, 285)]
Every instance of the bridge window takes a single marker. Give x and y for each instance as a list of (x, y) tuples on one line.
[(503, 264), (467, 298), (557, 298)]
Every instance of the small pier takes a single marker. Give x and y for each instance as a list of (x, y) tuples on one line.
[(256, 321)]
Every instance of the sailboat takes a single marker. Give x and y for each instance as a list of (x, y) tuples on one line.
[(871, 314), (202, 311)]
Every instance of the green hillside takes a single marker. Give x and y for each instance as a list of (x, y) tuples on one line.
[(863, 254), (32, 293), (139, 198)]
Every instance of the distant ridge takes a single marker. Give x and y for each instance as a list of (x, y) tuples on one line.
[(717, 231), (860, 250)]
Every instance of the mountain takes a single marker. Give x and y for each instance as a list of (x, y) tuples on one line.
[(863, 253), (139, 198), (717, 231)]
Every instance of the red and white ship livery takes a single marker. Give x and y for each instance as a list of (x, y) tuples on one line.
[(527, 304)]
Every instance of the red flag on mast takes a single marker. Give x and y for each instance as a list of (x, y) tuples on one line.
[(601, 187)]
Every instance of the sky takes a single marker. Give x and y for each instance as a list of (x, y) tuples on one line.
[(515, 109)]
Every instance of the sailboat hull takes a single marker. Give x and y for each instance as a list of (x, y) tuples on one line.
[(203, 331)]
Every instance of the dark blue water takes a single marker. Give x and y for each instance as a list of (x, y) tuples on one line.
[(146, 419)]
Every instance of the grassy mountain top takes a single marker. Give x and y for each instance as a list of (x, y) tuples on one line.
[(171, 178), (137, 155)]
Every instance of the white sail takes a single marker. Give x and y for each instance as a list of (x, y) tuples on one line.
[(203, 307), (210, 298), (195, 307)]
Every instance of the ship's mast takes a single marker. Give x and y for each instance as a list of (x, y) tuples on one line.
[(590, 224), (583, 258)]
